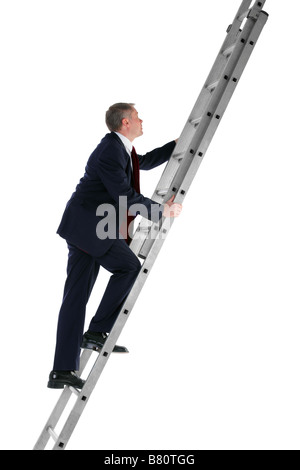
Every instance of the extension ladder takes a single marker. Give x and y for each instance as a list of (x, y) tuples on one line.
[(176, 179)]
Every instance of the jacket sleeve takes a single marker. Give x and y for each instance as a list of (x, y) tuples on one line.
[(111, 170), (156, 157)]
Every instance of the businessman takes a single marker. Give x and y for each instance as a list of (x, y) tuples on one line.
[(111, 180)]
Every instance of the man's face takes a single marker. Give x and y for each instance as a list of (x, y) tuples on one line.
[(135, 125)]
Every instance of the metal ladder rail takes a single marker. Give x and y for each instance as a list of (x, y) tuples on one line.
[(49, 428), (180, 156), (219, 101), (152, 253), (83, 396), (201, 148)]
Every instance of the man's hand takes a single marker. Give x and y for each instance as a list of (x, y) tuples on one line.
[(172, 209)]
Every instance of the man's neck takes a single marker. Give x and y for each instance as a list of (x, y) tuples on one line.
[(125, 134)]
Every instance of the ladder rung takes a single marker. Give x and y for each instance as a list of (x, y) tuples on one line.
[(75, 391), (178, 155), (196, 120), (143, 229), (213, 85), (52, 434), (162, 192), (243, 15), (227, 52)]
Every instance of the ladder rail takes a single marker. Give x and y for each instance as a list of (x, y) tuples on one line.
[(60, 407), (233, 32), (199, 146), (201, 149), (110, 343), (214, 113), (197, 121)]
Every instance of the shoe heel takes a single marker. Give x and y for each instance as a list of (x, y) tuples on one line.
[(87, 345)]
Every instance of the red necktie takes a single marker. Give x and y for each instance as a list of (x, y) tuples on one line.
[(136, 187), (136, 170)]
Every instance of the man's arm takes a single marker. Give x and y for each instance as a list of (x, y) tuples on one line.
[(112, 173), (156, 157)]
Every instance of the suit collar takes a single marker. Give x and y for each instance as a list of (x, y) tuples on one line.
[(126, 142), (114, 136)]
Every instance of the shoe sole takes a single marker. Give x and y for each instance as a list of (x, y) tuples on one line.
[(56, 385), (94, 347)]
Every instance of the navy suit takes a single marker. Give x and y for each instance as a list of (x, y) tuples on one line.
[(108, 175)]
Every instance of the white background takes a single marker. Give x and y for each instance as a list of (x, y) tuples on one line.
[(214, 338)]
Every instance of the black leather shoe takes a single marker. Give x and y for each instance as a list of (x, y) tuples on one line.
[(59, 379), (95, 341)]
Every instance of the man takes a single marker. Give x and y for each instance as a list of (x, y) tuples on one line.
[(111, 176)]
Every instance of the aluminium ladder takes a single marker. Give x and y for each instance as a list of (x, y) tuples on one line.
[(176, 179)]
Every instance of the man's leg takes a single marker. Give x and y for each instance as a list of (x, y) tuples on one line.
[(82, 273), (125, 267)]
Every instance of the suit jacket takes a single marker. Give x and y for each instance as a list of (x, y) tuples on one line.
[(108, 175)]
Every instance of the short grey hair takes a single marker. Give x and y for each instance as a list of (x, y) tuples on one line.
[(116, 113)]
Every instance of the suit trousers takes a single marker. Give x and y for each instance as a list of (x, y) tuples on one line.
[(82, 272)]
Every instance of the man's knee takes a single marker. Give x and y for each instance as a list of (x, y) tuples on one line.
[(135, 265)]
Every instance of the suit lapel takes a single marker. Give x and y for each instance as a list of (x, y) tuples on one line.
[(128, 168)]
